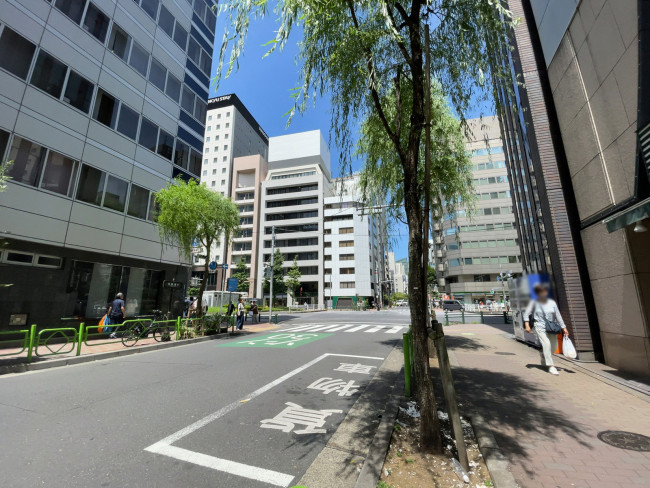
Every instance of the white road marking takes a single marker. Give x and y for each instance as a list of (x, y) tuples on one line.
[(396, 329), (376, 328), (239, 469), (165, 448), (355, 329)]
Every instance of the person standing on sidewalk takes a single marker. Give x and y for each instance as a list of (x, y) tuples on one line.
[(241, 314), (116, 313), (544, 311)]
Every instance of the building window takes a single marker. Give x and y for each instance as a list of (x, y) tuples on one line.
[(346, 270), (28, 158), (227, 125), (346, 244), (225, 158), (148, 134), (223, 170), (223, 182), (214, 183), (181, 154), (96, 23), (16, 53), (91, 185), (346, 230), (115, 193), (138, 202), (150, 7), (166, 21), (180, 36), (214, 171), (165, 144), (347, 284), (157, 74), (60, 174), (78, 92), (346, 257), (227, 114), (128, 122), (49, 74), (105, 109), (72, 8)]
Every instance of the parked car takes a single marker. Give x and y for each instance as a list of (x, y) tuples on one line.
[(452, 305), (401, 303)]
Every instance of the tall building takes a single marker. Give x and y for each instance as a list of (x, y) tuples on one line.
[(102, 104), (351, 273), (575, 136), (297, 182), (470, 252), (248, 174), (402, 275), (230, 132)]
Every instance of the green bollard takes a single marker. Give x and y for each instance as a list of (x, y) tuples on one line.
[(446, 317), (462, 314), (407, 364), (482, 319), (32, 335), (80, 338), (178, 328)]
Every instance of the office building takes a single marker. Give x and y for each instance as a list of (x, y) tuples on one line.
[(471, 251), (575, 136), (401, 275), (102, 104), (247, 176), (230, 132), (355, 248), (297, 182)]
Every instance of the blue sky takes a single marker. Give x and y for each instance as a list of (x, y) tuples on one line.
[(264, 86)]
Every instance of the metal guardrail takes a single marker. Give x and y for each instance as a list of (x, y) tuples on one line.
[(22, 343), (466, 317), (56, 346)]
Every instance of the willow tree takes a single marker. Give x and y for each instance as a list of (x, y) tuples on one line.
[(357, 53), (189, 212)]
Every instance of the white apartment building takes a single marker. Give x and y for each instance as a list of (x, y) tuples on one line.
[(356, 258), (102, 103), (230, 132), (471, 252), (293, 193)]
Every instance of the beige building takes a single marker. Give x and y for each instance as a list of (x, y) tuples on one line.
[(248, 172), (470, 252), (587, 148)]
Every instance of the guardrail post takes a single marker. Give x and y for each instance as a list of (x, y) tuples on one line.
[(407, 364), (80, 337), (482, 319), (462, 314), (446, 317), (32, 335), (178, 328)]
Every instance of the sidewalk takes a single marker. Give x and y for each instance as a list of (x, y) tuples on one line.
[(104, 346), (547, 426)]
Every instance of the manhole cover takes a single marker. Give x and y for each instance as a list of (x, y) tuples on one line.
[(625, 440), (505, 353)]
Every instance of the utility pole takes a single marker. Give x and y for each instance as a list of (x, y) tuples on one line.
[(271, 285)]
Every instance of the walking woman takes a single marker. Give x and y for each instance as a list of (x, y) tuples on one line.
[(544, 317), (241, 314)]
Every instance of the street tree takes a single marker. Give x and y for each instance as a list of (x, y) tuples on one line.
[(292, 280), (243, 274), (368, 55), (189, 211), (279, 285)]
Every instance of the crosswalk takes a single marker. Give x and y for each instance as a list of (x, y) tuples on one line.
[(352, 327)]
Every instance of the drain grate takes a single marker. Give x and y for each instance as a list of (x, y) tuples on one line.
[(625, 440)]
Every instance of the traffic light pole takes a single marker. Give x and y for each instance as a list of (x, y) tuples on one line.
[(271, 284)]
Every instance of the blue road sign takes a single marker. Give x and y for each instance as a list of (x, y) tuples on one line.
[(224, 266), (232, 284), (212, 265)]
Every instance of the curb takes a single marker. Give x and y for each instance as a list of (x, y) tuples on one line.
[(371, 471), (496, 462), (54, 363)]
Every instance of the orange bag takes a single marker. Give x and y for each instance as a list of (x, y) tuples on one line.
[(101, 325)]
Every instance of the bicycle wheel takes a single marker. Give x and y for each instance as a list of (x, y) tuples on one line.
[(130, 337), (162, 334)]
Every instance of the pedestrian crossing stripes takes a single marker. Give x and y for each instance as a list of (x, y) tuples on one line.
[(368, 328)]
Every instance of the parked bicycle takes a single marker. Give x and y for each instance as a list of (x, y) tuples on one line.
[(161, 331)]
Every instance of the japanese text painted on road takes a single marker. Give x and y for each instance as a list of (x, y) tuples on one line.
[(282, 341)]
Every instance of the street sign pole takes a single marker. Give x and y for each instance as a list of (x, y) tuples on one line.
[(271, 285)]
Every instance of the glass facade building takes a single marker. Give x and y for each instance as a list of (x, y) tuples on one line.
[(102, 103)]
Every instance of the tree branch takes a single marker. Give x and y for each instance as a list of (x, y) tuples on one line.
[(400, 43), (373, 86)]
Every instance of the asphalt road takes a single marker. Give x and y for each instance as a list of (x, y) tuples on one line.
[(247, 411)]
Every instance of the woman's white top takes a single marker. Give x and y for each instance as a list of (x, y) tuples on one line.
[(543, 312)]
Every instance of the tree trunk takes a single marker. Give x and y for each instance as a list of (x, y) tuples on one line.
[(204, 281)]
